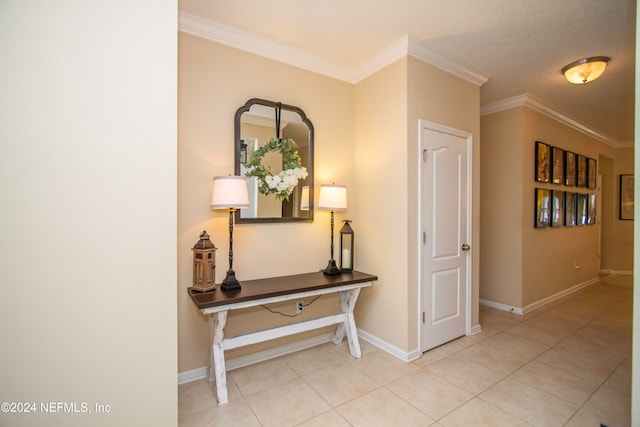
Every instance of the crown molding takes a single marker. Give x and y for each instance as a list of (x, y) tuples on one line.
[(531, 102), (232, 37), (417, 49), (407, 45), (395, 51)]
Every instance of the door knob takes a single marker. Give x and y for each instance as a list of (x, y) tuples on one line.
[(465, 247)]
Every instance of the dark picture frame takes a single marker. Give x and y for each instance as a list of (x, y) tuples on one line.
[(557, 208), (543, 162), (543, 208), (570, 203), (591, 173), (582, 171), (570, 168), (592, 208), (557, 165), (626, 197), (582, 208)]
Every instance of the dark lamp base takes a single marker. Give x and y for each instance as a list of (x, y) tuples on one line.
[(332, 269), (230, 283)]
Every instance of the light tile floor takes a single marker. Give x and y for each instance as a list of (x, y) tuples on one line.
[(566, 364)]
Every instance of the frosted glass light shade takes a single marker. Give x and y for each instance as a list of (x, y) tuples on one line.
[(585, 70), (229, 192), (304, 198), (332, 197)]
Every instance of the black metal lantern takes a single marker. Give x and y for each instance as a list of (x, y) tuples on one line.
[(243, 152), (346, 248)]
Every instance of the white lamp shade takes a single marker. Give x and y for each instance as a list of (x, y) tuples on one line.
[(304, 198), (229, 192), (585, 70), (332, 197)]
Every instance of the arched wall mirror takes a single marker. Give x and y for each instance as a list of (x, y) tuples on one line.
[(257, 123)]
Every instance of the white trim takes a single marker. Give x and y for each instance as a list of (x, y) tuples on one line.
[(500, 306), (476, 329), (416, 49), (529, 308), (533, 306), (192, 375), (529, 101), (390, 348), (229, 36), (617, 272), (385, 57), (261, 356), (405, 46)]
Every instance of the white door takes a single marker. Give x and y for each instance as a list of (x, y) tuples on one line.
[(445, 213)]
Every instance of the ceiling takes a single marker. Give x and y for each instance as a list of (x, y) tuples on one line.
[(509, 47)]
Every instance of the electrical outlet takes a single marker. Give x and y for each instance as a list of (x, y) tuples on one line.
[(299, 306)]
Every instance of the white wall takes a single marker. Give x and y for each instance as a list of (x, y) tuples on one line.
[(88, 230)]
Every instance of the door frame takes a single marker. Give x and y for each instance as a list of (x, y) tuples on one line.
[(436, 127)]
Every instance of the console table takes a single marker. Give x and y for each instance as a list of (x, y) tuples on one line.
[(217, 304)]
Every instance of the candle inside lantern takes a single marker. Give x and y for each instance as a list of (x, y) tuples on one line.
[(346, 258)]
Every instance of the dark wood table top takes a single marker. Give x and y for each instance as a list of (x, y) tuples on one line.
[(276, 286)]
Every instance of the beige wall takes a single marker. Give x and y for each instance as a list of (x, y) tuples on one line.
[(361, 141), (214, 82), (88, 176), (620, 257), (442, 98), (381, 224), (548, 255), (501, 214)]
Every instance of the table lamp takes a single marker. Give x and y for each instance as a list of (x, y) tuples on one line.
[(230, 193), (332, 198)]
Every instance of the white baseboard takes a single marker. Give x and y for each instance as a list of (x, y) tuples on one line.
[(261, 356), (500, 306), (192, 375), (529, 308), (238, 362), (390, 348), (476, 329), (617, 272)]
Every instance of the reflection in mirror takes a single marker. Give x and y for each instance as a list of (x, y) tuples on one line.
[(257, 125)]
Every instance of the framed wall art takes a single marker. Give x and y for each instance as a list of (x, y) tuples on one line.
[(557, 165), (591, 173), (543, 211), (582, 171), (582, 207), (626, 197), (570, 209), (557, 208), (570, 168), (543, 162), (591, 213)]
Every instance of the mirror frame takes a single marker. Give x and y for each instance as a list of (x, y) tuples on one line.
[(237, 134)]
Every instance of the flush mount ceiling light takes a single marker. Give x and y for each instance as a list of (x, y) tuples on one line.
[(585, 70)]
